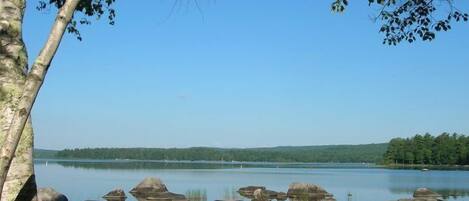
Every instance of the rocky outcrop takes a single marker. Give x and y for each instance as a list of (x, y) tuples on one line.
[(260, 193), (150, 185), (281, 196), (308, 192), (49, 194), (248, 191), (115, 195), (424, 194), (154, 189)]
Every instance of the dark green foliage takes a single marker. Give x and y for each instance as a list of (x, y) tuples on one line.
[(85, 9), (44, 153), (444, 149), (329, 153), (411, 19)]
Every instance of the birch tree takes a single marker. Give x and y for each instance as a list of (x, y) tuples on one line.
[(401, 20), (19, 86)]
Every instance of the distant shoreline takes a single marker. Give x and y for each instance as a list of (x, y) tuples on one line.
[(426, 167), (320, 164), (255, 164), (366, 153)]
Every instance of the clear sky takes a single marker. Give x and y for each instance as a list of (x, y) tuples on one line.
[(245, 74)]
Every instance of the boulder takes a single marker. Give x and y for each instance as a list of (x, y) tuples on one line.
[(419, 199), (426, 193), (281, 196), (49, 194), (270, 194), (115, 195), (166, 196), (260, 195), (150, 184), (229, 200), (248, 191), (154, 189), (310, 192)]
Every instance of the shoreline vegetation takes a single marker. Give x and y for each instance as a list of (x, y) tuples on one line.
[(446, 149), (420, 152), (366, 153), (184, 164)]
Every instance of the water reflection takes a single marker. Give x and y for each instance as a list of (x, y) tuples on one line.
[(196, 195), (446, 193), (155, 164), (450, 184), (231, 194), (201, 181), (132, 165)]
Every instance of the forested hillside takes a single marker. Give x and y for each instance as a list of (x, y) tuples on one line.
[(326, 153), (445, 149), (45, 153)]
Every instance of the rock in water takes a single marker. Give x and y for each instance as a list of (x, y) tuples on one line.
[(115, 195), (150, 184), (309, 192), (49, 194), (424, 194), (260, 195), (281, 196), (249, 191), (153, 189), (167, 196), (427, 195)]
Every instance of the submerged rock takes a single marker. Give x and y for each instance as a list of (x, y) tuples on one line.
[(154, 189), (248, 191), (261, 195), (49, 194), (420, 199), (281, 196), (308, 192), (115, 195), (167, 196), (426, 193), (150, 185), (229, 200)]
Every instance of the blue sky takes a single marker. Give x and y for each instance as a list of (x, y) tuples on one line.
[(245, 74)]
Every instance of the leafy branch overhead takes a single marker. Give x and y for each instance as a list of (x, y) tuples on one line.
[(409, 20), (85, 9), (400, 20)]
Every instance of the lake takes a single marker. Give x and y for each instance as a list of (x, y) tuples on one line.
[(91, 179)]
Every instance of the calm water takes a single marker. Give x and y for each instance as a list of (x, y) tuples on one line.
[(89, 180)]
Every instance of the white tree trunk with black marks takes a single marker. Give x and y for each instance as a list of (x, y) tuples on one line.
[(13, 68), (18, 93)]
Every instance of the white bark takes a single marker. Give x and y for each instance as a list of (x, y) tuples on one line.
[(34, 81), (20, 183)]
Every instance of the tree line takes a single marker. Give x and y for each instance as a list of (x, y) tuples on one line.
[(444, 149), (369, 153)]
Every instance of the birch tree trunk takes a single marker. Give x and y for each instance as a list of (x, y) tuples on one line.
[(20, 183), (21, 109)]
